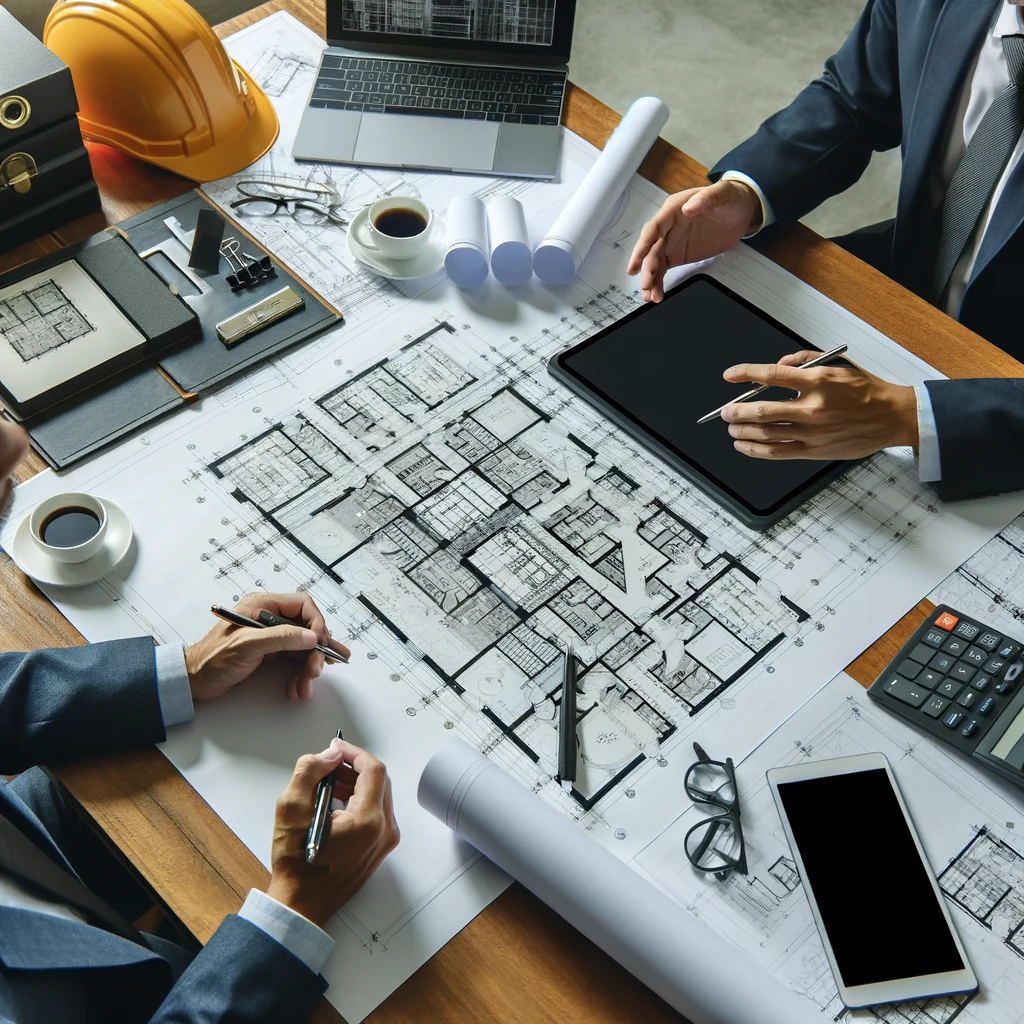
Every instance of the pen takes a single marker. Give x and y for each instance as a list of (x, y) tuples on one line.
[(265, 620), (324, 795), (825, 357), (567, 722)]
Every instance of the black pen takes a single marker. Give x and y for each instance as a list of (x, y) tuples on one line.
[(265, 621), (567, 722), (324, 795)]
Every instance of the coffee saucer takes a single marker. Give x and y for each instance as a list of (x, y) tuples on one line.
[(37, 564), (428, 261)]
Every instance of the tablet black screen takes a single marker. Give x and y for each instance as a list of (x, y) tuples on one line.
[(662, 366)]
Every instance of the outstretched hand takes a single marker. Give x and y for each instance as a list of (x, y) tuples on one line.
[(228, 654), (691, 225), (13, 447)]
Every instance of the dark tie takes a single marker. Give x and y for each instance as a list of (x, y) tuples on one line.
[(975, 177), (20, 857)]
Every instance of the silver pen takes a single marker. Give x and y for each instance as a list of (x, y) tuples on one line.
[(825, 357), (324, 796)]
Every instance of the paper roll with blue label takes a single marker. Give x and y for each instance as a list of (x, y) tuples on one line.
[(465, 259), (511, 255), (563, 249)]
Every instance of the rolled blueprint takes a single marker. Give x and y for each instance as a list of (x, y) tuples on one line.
[(511, 255), (466, 256), (560, 254), (671, 952)]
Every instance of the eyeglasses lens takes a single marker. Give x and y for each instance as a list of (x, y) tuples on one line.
[(709, 782), (714, 845)]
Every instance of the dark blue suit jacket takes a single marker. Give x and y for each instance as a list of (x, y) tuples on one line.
[(894, 83), (62, 704)]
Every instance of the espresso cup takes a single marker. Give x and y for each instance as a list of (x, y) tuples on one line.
[(69, 527), (397, 227)]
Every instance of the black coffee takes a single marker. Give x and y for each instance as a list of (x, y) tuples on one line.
[(400, 222), (69, 526)]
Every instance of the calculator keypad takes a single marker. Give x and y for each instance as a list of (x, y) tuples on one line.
[(953, 678)]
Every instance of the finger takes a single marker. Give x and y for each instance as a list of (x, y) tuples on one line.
[(776, 374), (336, 645), (653, 272), (775, 452), (311, 768), (798, 358), (766, 432), (13, 447), (370, 785), (656, 228), (765, 412), (291, 688), (345, 782), (257, 643), (299, 607)]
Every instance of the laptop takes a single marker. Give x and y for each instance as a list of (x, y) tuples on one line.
[(458, 85)]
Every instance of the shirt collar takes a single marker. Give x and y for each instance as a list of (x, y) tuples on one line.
[(1009, 22)]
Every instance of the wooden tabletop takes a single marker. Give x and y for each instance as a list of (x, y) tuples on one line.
[(517, 962)]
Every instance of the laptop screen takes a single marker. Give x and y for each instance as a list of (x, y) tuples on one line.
[(540, 30)]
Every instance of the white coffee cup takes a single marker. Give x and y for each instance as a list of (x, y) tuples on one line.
[(44, 516), (391, 246)]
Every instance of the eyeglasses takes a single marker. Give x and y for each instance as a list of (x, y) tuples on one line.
[(715, 844), (308, 204)]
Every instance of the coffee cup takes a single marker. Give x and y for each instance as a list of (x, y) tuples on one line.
[(398, 227), (69, 527)]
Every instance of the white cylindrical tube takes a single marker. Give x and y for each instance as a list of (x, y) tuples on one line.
[(564, 247), (511, 255), (691, 967), (465, 258)]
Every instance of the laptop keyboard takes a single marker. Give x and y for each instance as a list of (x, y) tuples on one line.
[(468, 91)]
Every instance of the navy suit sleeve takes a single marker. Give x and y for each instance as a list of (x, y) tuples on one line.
[(820, 144), (242, 976), (61, 704), (980, 426)]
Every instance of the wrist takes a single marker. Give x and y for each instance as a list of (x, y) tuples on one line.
[(287, 891), (904, 416)]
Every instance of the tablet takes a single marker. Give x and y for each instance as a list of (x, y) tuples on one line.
[(659, 369)]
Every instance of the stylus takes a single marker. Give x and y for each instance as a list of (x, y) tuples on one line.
[(567, 722), (825, 357)]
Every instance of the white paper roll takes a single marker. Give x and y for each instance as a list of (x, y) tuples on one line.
[(511, 255), (560, 254), (692, 968), (465, 258)]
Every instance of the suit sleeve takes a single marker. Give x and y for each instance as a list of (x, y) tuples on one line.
[(980, 427), (61, 704), (242, 976), (820, 144)]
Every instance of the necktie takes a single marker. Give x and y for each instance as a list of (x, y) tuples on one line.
[(981, 166), (20, 857)]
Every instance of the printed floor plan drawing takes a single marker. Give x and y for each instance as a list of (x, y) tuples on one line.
[(39, 320), (986, 879), (766, 913)]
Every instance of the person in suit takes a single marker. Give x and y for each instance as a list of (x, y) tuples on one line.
[(68, 951), (944, 79)]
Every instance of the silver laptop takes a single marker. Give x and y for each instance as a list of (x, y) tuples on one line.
[(459, 85)]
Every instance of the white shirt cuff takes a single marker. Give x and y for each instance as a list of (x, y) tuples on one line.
[(767, 213), (929, 467), (172, 687), (302, 938)]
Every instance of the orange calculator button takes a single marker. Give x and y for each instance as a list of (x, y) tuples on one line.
[(946, 621)]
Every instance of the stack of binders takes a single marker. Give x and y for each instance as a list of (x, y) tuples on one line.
[(45, 175)]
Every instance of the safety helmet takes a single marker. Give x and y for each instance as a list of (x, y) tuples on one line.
[(153, 80)]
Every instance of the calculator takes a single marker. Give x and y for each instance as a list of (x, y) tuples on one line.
[(960, 681)]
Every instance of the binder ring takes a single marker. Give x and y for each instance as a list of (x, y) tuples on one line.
[(14, 111)]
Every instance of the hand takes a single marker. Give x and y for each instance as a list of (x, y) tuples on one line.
[(692, 225), (228, 653), (13, 447), (841, 412), (355, 840)]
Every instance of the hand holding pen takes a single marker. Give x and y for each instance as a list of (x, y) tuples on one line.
[(230, 653)]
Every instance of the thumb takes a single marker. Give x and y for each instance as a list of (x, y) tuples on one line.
[(311, 768), (258, 643)]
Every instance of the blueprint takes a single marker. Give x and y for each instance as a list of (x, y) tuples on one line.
[(457, 514), (990, 584), (972, 827)]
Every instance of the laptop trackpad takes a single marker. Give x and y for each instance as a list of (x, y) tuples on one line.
[(421, 141)]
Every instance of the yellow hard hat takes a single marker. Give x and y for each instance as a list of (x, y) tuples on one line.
[(153, 79)]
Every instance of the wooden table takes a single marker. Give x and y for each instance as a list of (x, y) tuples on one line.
[(517, 963)]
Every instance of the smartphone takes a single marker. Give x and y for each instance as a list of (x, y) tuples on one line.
[(886, 929)]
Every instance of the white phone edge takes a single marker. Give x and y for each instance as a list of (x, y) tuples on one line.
[(901, 989)]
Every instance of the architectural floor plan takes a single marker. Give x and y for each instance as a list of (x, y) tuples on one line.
[(39, 320), (457, 514), (973, 836)]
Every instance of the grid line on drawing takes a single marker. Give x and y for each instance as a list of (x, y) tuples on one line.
[(39, 320)]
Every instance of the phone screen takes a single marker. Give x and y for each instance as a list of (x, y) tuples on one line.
[(872, 888)]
